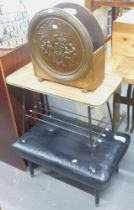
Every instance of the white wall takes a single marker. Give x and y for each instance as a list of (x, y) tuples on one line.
[(35, 6), (101, 15)]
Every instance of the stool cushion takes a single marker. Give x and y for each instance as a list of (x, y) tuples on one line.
[(69, 153)]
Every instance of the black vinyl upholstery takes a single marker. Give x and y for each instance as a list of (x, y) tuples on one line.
[(69, 153)]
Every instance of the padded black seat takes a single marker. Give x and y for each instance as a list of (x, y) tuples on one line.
[(69, 153)]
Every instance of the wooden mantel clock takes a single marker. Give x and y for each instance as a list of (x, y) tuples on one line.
[(67, 46)]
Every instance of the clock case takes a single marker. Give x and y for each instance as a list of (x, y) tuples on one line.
[(67, 48)]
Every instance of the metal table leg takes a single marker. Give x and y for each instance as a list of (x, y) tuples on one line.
[(132, 127), (110, 114), (46, 105), (129, 89), (117, 116), (23, 115), (92, 166)]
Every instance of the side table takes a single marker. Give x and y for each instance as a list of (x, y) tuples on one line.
[(72, 154)]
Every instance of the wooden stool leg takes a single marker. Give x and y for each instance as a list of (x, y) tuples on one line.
[(31, 168), (117, 170), (97, 197)]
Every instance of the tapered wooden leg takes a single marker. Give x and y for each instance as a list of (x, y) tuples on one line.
[(117, 170), (31, 168), (97, 197)]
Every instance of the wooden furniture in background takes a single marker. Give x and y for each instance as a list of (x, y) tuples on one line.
[(90, 5), (123, 46), (123, 49), (123, 35), (10, 104), (114, 3)]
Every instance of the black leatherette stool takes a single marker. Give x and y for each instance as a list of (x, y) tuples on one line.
[(69, 153)]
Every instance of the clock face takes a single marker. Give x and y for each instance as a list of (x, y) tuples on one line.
[(60, 45)]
